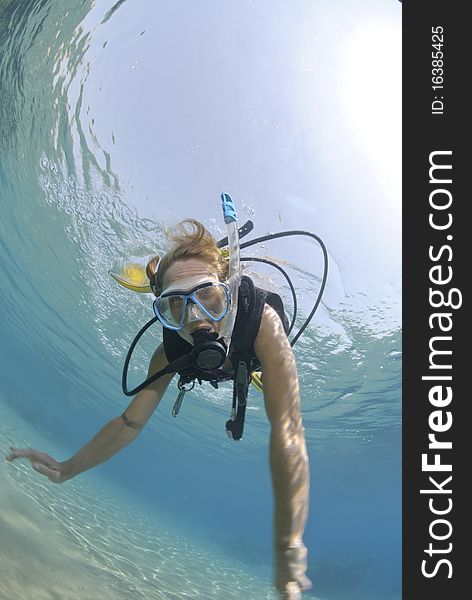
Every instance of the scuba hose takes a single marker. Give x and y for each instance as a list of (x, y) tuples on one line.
[(289, 281), (273, 236)]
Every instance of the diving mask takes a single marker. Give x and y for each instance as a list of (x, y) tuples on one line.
[(211, 300)]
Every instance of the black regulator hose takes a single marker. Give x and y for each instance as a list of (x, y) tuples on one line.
[(170, 368), (273, 236), (284, 273)]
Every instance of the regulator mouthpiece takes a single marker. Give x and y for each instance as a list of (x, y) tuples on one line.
[(209, 352)]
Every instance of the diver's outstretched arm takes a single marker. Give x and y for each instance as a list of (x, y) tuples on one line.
[(116, 434), (288, 455)]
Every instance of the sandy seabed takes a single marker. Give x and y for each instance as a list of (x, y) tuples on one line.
[(82, 541)]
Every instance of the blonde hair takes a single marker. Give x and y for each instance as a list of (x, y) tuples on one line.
[(195, 242)]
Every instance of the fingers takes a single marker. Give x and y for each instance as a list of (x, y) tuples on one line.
[(304, 583), (291, 565), (40, 461), (291, 592), (19, 453), (32, 455)]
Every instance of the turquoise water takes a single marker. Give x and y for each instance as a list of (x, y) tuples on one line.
[(117, 120)]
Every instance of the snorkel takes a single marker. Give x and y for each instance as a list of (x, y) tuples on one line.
[(210, 349), (234, 278)]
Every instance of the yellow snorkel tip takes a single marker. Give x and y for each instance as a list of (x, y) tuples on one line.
[(131, 274)]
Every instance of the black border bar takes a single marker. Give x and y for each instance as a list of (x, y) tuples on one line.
[(436, 167)]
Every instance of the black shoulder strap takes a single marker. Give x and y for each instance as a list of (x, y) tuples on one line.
[(174, 345), (277, 304), (251, 302)]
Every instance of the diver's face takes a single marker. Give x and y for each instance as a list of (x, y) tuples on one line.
[(184, 275)]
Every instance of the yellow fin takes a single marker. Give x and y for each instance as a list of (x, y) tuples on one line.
[(131, 274), (256, 380)]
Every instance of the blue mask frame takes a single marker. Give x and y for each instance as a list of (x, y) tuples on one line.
[(190, 296)]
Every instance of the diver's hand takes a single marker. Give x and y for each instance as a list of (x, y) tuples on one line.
[(42, 463), (292, 592), (290, 576)]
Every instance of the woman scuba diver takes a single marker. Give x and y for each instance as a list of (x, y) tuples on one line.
[(217, 326)]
